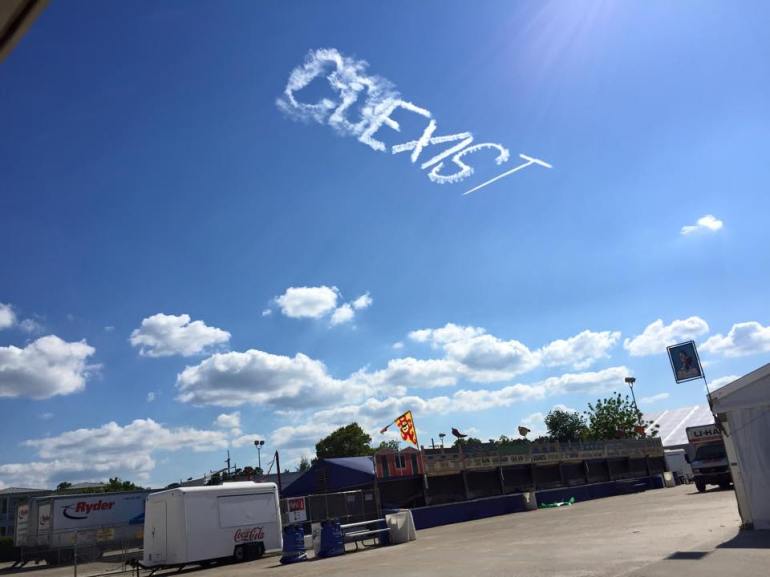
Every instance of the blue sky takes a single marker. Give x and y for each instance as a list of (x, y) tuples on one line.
[(148, 173)]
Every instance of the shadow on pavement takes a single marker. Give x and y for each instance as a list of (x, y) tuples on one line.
[(748, 540)]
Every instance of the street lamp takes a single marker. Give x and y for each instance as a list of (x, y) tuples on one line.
[(259, 444), (630, 382)]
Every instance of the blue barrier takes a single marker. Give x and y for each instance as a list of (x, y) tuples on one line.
[(332, 539), (436, 515), (293, 544)]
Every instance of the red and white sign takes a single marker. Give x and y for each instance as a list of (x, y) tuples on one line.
[(297, 512), (249, 535)]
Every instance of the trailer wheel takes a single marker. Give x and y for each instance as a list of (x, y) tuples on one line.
[(260, 550), (701, 486), (239, 554), (724, 485)]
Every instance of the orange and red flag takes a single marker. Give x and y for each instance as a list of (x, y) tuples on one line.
[(405, 425)]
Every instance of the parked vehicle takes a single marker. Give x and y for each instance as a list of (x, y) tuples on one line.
[(240, 521), (51, 528), (676, 462), (708, 457)]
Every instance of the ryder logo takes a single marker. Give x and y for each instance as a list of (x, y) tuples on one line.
[(82, 509), (249, 535)]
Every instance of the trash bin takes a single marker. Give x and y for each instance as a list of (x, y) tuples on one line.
[(293, 544), (332, 539)]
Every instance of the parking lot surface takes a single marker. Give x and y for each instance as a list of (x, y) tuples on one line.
[(664, 532)]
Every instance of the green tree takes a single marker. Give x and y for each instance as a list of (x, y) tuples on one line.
[(616, 417), (393, 444), (348, 441), (565, 425), (115, 484), (468, 442), (304, 465), (63, 486)]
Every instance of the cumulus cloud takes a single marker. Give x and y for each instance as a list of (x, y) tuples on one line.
[(749, 338), (657, 335), (259, 378), (706, 223), (94, 453), (228, 420), (164, 335), (722, 381), (308, 302), (343, 314), (372, 413), (580, 351), (150, 397), (410, 372), (44, 368), (482, 357), (7, 316), (319, 302), (362, 302), (654, 398)]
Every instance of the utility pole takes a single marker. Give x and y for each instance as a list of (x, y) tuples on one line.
[(630, 382)]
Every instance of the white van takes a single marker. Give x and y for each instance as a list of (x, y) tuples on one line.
[(198, 524)]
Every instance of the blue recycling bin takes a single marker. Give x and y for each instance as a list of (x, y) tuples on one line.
[(332, 539), (293, 544)]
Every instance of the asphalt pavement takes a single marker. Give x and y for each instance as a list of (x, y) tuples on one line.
[(652, 534)]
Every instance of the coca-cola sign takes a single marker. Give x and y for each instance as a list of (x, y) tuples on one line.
[(249, 535)]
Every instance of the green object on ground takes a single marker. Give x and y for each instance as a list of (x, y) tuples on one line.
[(571, 501)]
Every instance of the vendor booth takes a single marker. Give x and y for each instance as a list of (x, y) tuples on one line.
[(743, 410)]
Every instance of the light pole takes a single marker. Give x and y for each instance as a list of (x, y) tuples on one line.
[(259, 444), (630, 382)]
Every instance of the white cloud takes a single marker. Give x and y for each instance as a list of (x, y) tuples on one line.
[(112, 449), (343, 314), (164, 335), (109, 329), (150, 397), (580, 351), (705, 223), (398, 345), (654, 398), (482, 357), (749, 338), (241, 440), (488, 358), (308, 302), (722, 381), (657, 336), (267, 312), (319, 302), (410, 372), (446, 334), (46, 416), (373, 413), (228, 420), (259, 378), (363, 302), (31, 326), (7, 316), (44, 368)]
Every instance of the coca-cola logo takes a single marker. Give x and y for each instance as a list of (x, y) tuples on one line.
[(248, 535)]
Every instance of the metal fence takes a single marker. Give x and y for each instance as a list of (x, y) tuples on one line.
[(345, 506)]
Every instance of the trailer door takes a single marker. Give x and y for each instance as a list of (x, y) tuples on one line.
[(157, 528)]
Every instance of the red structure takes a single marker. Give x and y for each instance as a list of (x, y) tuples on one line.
[(405, 463)]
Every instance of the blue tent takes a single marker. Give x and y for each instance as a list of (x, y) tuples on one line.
[(330, 475)]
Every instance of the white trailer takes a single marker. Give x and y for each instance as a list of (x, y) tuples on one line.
[(199, 524)]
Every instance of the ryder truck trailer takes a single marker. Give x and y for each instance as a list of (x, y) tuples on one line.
[(199, 524)]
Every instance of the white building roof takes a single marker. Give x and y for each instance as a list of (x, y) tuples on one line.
[(674, 422)]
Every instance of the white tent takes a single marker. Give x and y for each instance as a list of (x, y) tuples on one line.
[(743, 408)]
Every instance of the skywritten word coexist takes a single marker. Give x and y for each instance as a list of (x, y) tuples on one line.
[(348, 78)]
